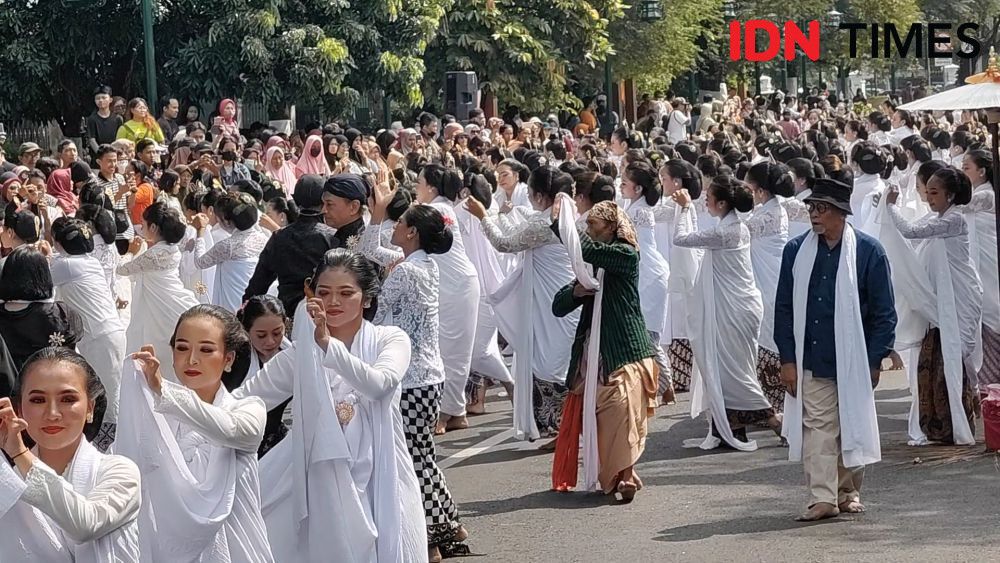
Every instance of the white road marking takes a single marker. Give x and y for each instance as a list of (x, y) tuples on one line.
[(477, 449)]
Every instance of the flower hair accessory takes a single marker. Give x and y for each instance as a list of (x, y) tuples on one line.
[(448, 221)]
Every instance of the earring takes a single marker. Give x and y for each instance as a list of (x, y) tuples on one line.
[(228, 369), (90, 418)]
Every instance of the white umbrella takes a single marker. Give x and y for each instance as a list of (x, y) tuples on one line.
[(982, 91)]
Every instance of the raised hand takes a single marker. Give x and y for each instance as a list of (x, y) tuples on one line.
[(317, 310), (475, 207), (150, 367), (11, 427)]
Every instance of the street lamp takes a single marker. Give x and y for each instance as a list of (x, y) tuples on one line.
[(833, 19), (729, 9), (650, 10)]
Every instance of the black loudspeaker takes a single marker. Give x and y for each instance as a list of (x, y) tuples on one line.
[(461, 94)]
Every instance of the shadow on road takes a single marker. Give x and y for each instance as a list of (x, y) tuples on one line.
[(738, 526), (547, 500)]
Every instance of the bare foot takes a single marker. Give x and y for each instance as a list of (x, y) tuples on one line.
[(434, 554), (457, 423), (818, 511), (627, 491), (442, 425), (852, 507), (668, 396)]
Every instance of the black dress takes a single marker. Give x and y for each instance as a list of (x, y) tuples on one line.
[(39, 325)]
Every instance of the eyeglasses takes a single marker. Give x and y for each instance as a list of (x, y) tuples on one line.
[(818, 206)]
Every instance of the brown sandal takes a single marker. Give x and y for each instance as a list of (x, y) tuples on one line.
[(627, 490)]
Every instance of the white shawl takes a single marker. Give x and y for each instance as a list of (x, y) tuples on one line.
[(186, 506), (859, 438), (542, 342), (585, 275), (728, 379), (231, 280), (765, 256), (312, 507), (31, 536)]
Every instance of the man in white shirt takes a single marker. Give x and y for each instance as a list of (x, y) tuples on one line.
[(678, 120)]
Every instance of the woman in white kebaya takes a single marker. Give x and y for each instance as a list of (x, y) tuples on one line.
[(197, 446), (342, 486), (63, 501), (158, 296), (725, 316)]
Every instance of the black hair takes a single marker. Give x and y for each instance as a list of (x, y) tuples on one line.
[(549, 181), (426, 118), (286, 206), (142, 144), (516, 167), (167, 220), (595, 187), (140, 168), (445, 180), (939, 138), (906, 118), (921, 150), (240, 211), (47, 165), (982, 159), (92, 382), (165, 101), (102, 89), (26, 276), (170, 182), (775, 178), (806, 169), (63, 144), (557, 148), (234, 337), (688, 151), (708, 164), (192, 201), (74, 235), (963, 139), (211, 197), (858, 127), (103, 150), (434, 235), (250, 188), (735, 193), (100, 219), (928, 169), (688, 175), (643, 175), (870, 158), (363, 270), (479, 187), (261, 306), (24, 223), (632, 139), (957, 184)]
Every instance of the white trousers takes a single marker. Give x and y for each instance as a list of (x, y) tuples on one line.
[(106, 353), (486, 357)]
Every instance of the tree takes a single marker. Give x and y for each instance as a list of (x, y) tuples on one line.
[(653, 54), (529, 53), (55, 53)]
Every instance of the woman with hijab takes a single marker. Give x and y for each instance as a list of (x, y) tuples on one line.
[(200, 443), (981, 214), (312, 160), (141, 123), (60, 186), (359, 163), (343, 481), (280, 170), (225, 126), (63, 500), (725, 316)]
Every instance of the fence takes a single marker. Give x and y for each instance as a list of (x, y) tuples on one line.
[(46, 136)]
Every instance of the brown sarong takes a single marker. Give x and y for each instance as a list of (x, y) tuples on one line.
[(935, 412)]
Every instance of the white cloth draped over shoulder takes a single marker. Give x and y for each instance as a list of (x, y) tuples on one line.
[(158, 300), (768, 235), (724, 316), (586, 276), (201, 494), (859, 438), (981, 217), (346, 490), (88, 516), (954, 304), (684, 264), (654, 272), (542, 342), (866, 187)]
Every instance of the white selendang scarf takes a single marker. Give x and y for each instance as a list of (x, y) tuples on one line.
[(37, 536), (183, 515), (541, 271), (585, 275), (859, 438), (313, 510)]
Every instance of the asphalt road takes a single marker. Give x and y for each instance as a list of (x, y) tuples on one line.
[(924, 504)]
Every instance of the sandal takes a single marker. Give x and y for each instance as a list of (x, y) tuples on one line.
[(627, 490)]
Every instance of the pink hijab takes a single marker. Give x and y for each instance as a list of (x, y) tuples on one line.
[(284, 175), (60, 186), (309, 164)]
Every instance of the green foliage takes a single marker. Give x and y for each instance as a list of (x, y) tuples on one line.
[(654, 54), (530, 53)]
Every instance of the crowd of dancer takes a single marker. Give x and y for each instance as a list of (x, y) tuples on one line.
[(226, 344)]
